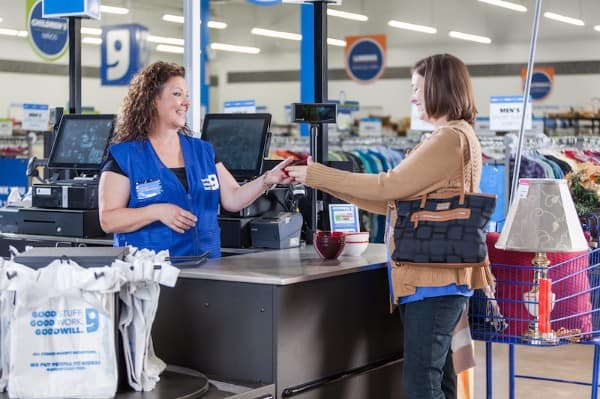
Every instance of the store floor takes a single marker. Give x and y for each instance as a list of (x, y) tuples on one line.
[(567, 362)]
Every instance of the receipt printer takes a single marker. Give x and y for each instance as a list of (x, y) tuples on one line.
[(276, 230)]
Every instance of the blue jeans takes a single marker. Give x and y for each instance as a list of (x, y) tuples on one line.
[(428, 327)]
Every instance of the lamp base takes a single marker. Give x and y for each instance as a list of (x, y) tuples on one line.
[(533, 337)]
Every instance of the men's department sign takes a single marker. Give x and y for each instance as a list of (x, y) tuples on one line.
[(365, 57), (49, 37)]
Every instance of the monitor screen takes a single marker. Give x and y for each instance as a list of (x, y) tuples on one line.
[(240, 141), (81, 141)]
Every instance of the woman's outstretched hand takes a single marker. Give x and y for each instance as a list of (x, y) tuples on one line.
[(278, 174), (298, 172)]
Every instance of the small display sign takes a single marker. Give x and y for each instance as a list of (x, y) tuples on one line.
[(506, 111), (239, 107), (416, 123), (343, 217), (71, 8), (35, 117)]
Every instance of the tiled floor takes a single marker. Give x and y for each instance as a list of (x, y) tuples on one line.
[(567, 362)]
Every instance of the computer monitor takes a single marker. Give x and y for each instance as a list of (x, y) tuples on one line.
[(81, 141), (240, 141)]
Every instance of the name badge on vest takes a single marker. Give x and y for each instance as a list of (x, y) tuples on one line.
[(148, 189)]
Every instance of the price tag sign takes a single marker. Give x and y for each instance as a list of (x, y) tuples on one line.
[(35, 117), (416, 123), (506, 111), (343, 217), (241, 106)]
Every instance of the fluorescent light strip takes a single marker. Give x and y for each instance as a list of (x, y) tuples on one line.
[(470, 37), (234, 48), (413, 27), (336, 42), (114, 10), (347, 15), (562, 18), (217, 25), (91, 31), (506, 4), (178, 19), (91, 40), (169, 49), (597, 28), (1, 19), (13, 32), (165, 40), (277, 34)]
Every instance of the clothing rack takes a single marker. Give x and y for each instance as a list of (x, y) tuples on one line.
[(343, 143), (15, 146)]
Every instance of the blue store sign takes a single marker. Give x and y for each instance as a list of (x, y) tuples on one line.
[(75, 8), (541, 85), (14, 175), (265, 2), (123, 53), (365, 58), (49, 37)]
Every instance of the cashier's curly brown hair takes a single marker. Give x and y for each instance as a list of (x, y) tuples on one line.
[(139, 109)]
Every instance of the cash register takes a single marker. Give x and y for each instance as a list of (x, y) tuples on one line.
[(241, 143), (69, 207)]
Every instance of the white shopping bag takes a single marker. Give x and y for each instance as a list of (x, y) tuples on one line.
[(63, 334), (144, 271)]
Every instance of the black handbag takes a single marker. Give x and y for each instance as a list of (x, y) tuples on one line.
[(444, 230)]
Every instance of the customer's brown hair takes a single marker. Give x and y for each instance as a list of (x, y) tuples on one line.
[(448, 89), (138, 111)]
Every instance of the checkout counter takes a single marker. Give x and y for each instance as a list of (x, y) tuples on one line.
[(262, 324)]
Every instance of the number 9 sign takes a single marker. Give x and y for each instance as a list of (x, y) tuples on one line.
[(122, 53)]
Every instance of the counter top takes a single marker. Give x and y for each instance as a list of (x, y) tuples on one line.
[(285, 266)]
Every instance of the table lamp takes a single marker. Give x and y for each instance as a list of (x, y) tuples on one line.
[(542, 218)]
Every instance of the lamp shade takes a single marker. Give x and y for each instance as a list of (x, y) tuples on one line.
[(542, 218)]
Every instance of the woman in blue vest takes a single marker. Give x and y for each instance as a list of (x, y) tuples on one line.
[(160, 187)]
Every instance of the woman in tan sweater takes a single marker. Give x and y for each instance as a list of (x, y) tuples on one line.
[(430, 299)]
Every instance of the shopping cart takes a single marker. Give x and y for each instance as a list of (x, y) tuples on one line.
[(515, 316)]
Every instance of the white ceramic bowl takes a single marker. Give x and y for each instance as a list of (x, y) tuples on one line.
[(362, 236), (354, 248)]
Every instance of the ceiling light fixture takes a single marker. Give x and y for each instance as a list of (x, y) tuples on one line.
[(178, 19), (9, 32), (91, 31), (277, 34), (91, 40), (506, 4), (565, 19), (597, 28), (114, 10), (413, 27), (1, 19), (235, 49), (217, 25), (347, 15), (336, 42), (165, 48), (165, 40), (470, 37)]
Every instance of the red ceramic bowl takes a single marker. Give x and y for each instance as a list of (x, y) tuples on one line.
[(329, 244)]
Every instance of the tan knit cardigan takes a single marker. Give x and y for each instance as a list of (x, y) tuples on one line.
[(432, 166)]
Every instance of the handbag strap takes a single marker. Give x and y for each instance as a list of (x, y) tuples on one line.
[(463, 190), (462, 165)]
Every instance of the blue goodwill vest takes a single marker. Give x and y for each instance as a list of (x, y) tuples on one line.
[(153, 183)]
